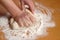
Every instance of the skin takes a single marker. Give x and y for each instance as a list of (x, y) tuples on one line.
[(20, 16)]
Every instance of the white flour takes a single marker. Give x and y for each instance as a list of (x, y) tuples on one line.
[(44, 20)]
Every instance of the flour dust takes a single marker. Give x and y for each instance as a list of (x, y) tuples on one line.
[(43, 16)]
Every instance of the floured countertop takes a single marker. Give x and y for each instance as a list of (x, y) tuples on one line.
[(43, 16)]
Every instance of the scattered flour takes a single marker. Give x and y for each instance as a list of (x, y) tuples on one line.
[(44, 20)]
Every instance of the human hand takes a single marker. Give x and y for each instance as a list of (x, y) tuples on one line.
[(30, 4), (21, 17), (25, 19)]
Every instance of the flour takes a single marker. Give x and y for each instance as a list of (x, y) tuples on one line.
[(43, 16)]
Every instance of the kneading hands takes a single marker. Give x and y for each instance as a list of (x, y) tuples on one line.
[(21, 16)]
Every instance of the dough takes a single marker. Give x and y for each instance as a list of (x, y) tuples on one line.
[(14, 24)]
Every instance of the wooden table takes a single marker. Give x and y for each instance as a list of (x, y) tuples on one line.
[(54, 33)]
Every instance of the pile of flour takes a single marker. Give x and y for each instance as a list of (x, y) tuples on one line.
[(43, 16)]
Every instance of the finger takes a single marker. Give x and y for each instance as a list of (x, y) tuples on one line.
[(29, 12), (31, 6), (29, 21), (32, 18), (23, 6), (21, 22), (26, 23)]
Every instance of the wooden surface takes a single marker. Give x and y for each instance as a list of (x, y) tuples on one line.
[(54, 33)]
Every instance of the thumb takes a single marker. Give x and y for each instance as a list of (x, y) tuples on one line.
[(31, 7), (23, 6)]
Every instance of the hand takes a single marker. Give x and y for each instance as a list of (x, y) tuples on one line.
[(25, 19), (30, 4), (21, 17)]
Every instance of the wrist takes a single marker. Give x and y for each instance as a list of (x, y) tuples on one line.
[(11, 7)]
